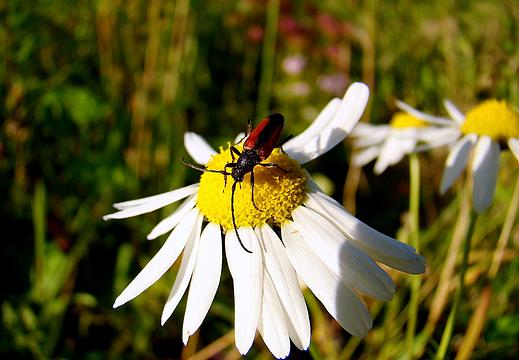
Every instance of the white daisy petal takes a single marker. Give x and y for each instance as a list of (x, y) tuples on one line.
[(239, 138), (365, 156), (320, 122), (348, 114), (367, 135), (378, 246), (352, 107), (436, 137), (247, 274), (191, 189), (456, 161), (485, 167), (343, 258), (513, 144), (272, 324), (336, 296), (442, 137), (162, 261), (172, 220), (454, 112), (198, 148), (287, 287), (205, 280), (423, 116), (370, 130), (393, 150), (151, 203), (184, 272)]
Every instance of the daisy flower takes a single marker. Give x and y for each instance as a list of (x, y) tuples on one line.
[(477, 139), (390, 143), (299, 233)]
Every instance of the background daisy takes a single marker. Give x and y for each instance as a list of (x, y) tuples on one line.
[(390, 143), (477, 139)]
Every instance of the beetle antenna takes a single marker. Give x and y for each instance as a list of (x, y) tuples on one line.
[(249, 126), (234, 219), (203, 168), (193, 166)]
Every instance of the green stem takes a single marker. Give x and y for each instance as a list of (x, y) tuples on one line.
[(39, 228), (414, 212), (505, 232), (458, 295), (267, 58)]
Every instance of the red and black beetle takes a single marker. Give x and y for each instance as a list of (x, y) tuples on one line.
[(259, 144)]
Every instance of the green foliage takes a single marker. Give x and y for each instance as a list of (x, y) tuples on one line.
[(96, 96)]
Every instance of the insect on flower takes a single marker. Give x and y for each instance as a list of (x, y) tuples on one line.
[(257, 147), (300, 234)]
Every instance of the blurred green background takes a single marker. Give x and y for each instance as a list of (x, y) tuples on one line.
[(95, 98)]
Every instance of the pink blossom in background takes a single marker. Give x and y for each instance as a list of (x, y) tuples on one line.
[(294, 64), (333, 83)]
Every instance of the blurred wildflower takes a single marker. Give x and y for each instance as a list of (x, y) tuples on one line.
[(333, 83), (329, 25), (290, 28), (294, 64), (486, 129), (300, 232), (255, 34), (390, 143)]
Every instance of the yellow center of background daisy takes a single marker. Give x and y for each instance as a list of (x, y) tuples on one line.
[(402, 120), (276, 193), (492, 118)]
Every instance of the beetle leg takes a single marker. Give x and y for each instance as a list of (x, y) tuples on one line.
[(252, 188), (236, 152), (231, 165), (234, 219), (289, 137), (273, 165), (224, 183)]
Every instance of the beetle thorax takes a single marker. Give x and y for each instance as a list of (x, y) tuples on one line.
[(245, 164)]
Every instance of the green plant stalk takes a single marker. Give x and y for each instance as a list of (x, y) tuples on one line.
[(267, 58), (458, 295), (414, 212), (505, 233), (39, 228), (461, 205)]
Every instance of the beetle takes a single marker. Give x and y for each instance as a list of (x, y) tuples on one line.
[(258, 145)]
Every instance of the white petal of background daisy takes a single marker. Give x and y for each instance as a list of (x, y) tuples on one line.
[(298, 232), (390, 143), (476, 139)]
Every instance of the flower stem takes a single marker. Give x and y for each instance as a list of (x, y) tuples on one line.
[(267, 58), (414, 212), (449, 327), (505, 233)]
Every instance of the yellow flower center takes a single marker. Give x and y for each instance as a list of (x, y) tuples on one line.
[(492, 118), (402, 120), (276, 192)]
